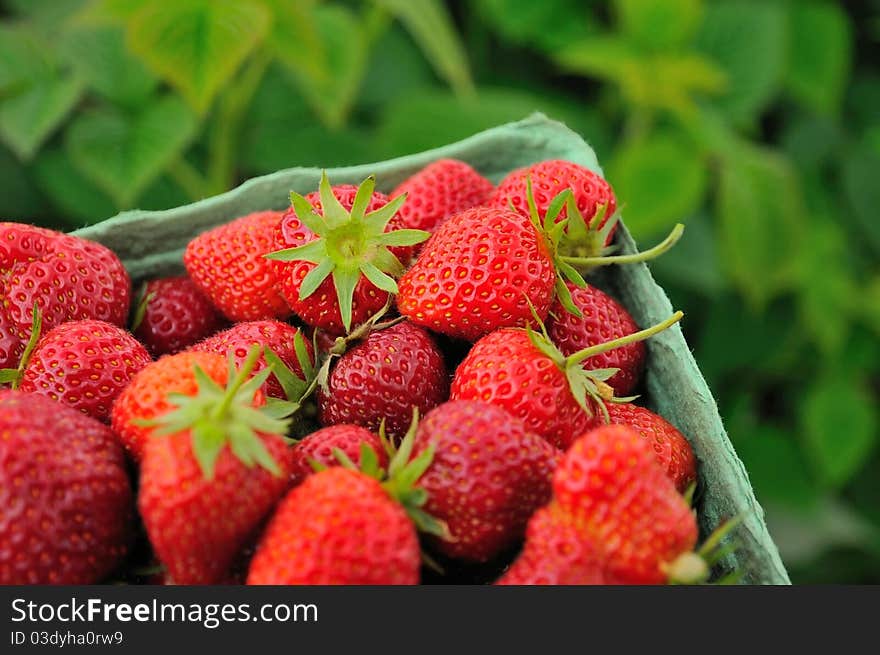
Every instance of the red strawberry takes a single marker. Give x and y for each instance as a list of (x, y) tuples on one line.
[(68, 278), (506, 369), (523, 372), (602, 319), (338, 254), (556, 553), (611, 486), (478, 273), (440, 190), (65, 498), (320, 446), (384, 377), (227, 264), (548, 178), (146, 396), (175, 316), (277, 336), (211, 472), (487, 477), (671, 447), (84, 364), (337, 527)]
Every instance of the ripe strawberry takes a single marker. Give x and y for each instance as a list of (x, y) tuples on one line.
[(319, 446), (440, 190), (671, 447), (146, 396), (602, 319), (339, 252), (487, 477), (506, 369), (68, 278), (212, 471), (65, 498), (478, 273), (523, 372), (590, 193), (556, 553), (175, 316), (337, 527), (611, 486), (384, 377), (84, 364), (277, 336), (227, 264)]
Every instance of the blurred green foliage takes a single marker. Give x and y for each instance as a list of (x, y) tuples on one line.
[(757, 122)]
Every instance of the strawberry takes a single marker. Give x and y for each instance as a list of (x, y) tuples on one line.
[(487, 477), (591, 194), (610, 485), (279, 337), (601, 319), (84, 364), (556, 553), (65, 498), (319, 447), (146, 396), (227, 264), (524, 373), (440, 190), (671, 447), (506, 369), (213, 470), (66, 277), (175, 315), (339, 252), (383, 378), (479, 272), (337, 527)]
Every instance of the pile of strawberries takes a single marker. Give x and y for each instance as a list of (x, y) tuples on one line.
[(362, 389)]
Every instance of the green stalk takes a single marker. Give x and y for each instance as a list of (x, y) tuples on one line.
[(641, 335), (645, 255), (237, 383)]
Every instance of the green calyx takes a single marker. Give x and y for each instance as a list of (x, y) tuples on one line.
[(140, 311), (217, 416), (695, 567), (350, 244), (12, 376), (578, 246), (586, 385), (400, 479)]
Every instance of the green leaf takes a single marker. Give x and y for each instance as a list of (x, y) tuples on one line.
[(693, 263), (548, 24), (820, 55), (661, 179), (35, 94), (295, 37), (659, 24), (78, 199), (197, 45), (665, 80), (333, 93), (100, 56), (776, 466), (828, 295), (432, 29), (107, 12), (402, 130), (761, 215), (19, 195), (839, 424), (123, 153), (748, 40), (47, 14), (862, 191)]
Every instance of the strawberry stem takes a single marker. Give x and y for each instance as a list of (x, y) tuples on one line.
[(237, 382), (641, 335), (667, 243), (13, 376)]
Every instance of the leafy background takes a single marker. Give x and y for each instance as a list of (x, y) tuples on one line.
[(755, 122)]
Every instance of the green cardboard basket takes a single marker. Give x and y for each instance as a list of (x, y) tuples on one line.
[(151, 243)]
